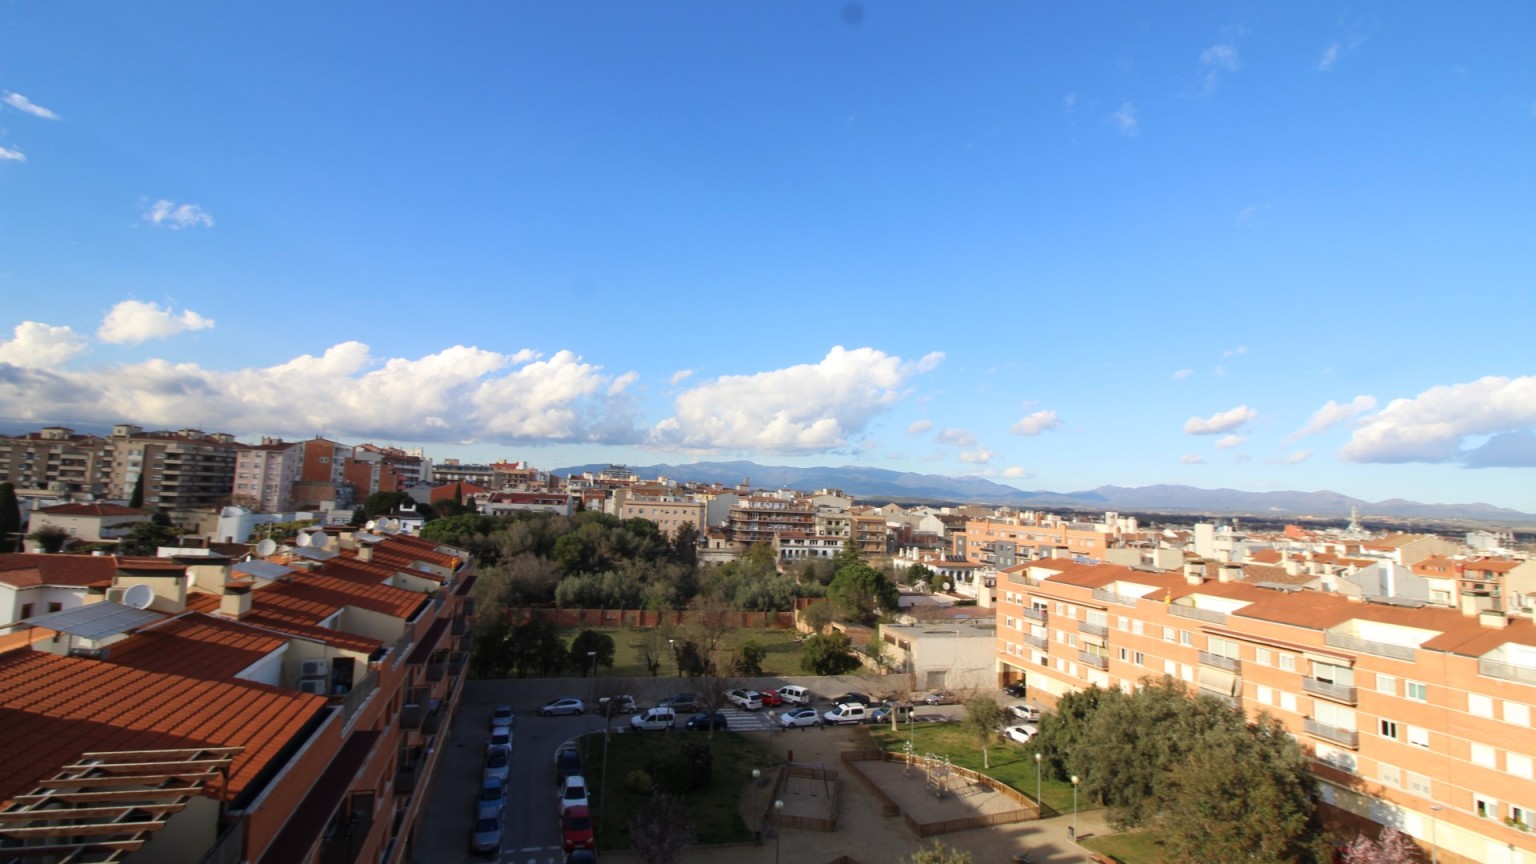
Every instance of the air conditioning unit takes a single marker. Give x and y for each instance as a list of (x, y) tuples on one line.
[(316, 686), (314, 668)]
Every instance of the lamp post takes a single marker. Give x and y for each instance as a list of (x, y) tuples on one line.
[(1075, 781), (1434, 834), (778, 807), (1039, 805), (677, 664), (592, 655)]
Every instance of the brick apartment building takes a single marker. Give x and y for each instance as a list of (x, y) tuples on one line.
[(1416, 716), (278, 710)]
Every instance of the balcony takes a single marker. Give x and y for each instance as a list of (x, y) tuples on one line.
[(437, 666), (456, 662), (405, 780), (1034, 614), (1104, 595), (1507, 671), (1098, 661), (1099, 630), (1220, 662), (1229, 701), (1037, 641), (1380, 649), (460, 625), (1210, 616), (1330, 690), (410, 716), (1347, 737)]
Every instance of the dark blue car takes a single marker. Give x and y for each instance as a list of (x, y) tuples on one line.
[(705, 720)]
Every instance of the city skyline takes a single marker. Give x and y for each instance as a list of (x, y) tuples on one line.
[(1050, 247)]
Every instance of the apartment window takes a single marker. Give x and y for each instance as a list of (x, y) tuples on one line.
[(1521, 815), (1288, 702), (1170, 668), (1123, 623), (1137, 628), (1139, 658), (1485, 807), (1390, 775), (1224, 648), (1416, 690), (1266, 695), (1418, 736), (26, 610), (1170, 634), (1386, 684), (1186, 637), (1125, 655), (1479, 705), (1186, 672), (1517, 713), (55, 607), (1387, 728), (1262, 657), (1518, 764), (1288, 662), (1333, 715), (1419, 785), (1483, 755), (1008, 622)]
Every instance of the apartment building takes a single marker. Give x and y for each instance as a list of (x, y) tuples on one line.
[(88, 523), (322, 482), (869, 533), (180, 470), (1002, 541), (265, 474), (35, 584), (282, 710), (669, 512), (57, 458), (454, 471), (1415, 715), (757, 518), (507, 503)]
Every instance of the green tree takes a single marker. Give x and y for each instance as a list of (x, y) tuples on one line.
[(146, 538), (136, 498), (818, 616), (594, 642), (10, 518), (828, 654), (50, 537), (919, 573), (749, 658), (384, 503), (685, 545), (861, 593), (983, 716), (938, 853)]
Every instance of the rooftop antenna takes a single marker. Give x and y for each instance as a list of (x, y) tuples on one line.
[(266, 547), (139, 596)]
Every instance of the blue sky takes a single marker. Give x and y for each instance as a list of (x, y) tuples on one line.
[(1261, 246)]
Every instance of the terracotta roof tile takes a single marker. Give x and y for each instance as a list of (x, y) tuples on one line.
[(97, 509), (29, 570), (197, 646)]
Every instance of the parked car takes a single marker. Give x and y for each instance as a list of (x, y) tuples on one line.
[(566, 705), (705, 720), (847, 712), (882, 714), (1027, 713), (747, 700), (1021, 734), (567, 763), (682, 703), (801, 717), (794, 694), (657, 719), (573, 793), (501, 736), (576, 828), (486, 836), (492, 791), (853, 699), (498, 761), (770, 698), (936, 697), (621, 704), (1016, 690)]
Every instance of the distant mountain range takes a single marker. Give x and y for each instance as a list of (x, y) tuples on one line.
[(902, 486)]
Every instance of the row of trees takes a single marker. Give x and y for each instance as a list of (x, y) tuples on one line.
[(535, 647)]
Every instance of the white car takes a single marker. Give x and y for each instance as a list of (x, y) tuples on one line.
[(1027, 713), (801, 717), (847, 713), (1021, 734), (747, 700), (573, 792), (568, 705), (501, 736)]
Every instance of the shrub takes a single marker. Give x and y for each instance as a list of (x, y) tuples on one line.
[(639, 782)]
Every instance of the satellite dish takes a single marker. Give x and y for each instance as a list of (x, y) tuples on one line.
[(301, 540), (319, 541), (266, 547), (394, 524), (371, 524), (139, 596)]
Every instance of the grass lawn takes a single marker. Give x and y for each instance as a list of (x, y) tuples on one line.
[(783, 651), (1135, 847), (715, 808), (1013, 764)]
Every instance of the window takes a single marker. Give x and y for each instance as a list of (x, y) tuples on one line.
[(55, 607), (1266, 695), (1479, 705), (1288, 702), (1262, 657), (1483, 755), (1125, 654), (1389, 775), (1137, 628), (1387, 728), (1170, 634), (26, 610), (1288, 662), (1186, 672), (1139, 658), (1122, 623), (1517, 713), (1170, 668), (1186, 638), (1416, 690), (1485, 807), (1224, 648), (1333, 715), (1386, 684), (1521, 815), (1418, 736), (1518, 764), (1418, 784)]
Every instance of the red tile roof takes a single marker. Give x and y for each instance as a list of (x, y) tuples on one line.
[(197, 646), (52, 709), (98, 509), (29, 570)]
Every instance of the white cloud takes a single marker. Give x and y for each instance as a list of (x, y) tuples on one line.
[(979, 456), (1218, 60), (1191, 459), (1070, 100), (680, 376), (1432, 426), (1330, 57), (1296, 458), (1235, 352), (1227, 442), (1331, 414), (9, 155), (40, 345), (955, 437), (25, 105), (132, 321), (1015, 472), (1182, 374), (1125, 120), (621, 383), (1035, 423), (1222, 421), (918, 427), (177, 216), (809, 408)]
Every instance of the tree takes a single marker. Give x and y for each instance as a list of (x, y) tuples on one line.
[(828, 654), (938, 853), (1390, 848), (10, 518), (591, 641), (50, 537), (861, 593), (983, 716), (749, 658), (660, 831), (919, 574), (818, 616), (685, 545), (384, 503), (146, 538), (136, 498), (654, 648)]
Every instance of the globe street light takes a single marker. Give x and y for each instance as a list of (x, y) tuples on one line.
[(1075, 781), (1038, 804), (778, 807)]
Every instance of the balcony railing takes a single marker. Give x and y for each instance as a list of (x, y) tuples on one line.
[(1330, 690), (1381, 649), (1229, 701), (1348, 737), (432, 720), (1037, 641), (437, 666), (1507, 671), (1220, 662), (1034, 614), (456, 662), (405, 780), (460, 625), (1099, 630), (1096, 660), (1209, 616), (355, 697), (1104, 595), (230, 847)]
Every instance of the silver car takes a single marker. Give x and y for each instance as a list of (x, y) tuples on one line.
[(568, 705), (486, 836)]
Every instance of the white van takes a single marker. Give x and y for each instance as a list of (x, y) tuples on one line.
[(850, 712), (794, 694), (657, 719)]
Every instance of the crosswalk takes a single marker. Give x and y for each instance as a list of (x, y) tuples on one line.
[(533, 855), (738, 720)]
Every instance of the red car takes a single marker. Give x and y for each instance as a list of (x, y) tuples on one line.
[(576, 828), (770, 698)]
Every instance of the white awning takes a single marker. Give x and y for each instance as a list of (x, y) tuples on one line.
[(1220, 681)]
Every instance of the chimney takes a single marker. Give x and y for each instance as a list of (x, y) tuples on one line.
[(1229, 573), (1493, 618), (1194, 571), (1292, 567), (235, 602), (1468, 605), (365, 552)]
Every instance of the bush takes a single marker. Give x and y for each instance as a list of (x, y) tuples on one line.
[(638, 782)]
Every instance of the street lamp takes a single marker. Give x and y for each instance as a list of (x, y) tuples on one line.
[(678, 664), (1038, 804), (592, 655), (1434, 832), (778, 807), (1075, 781)]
